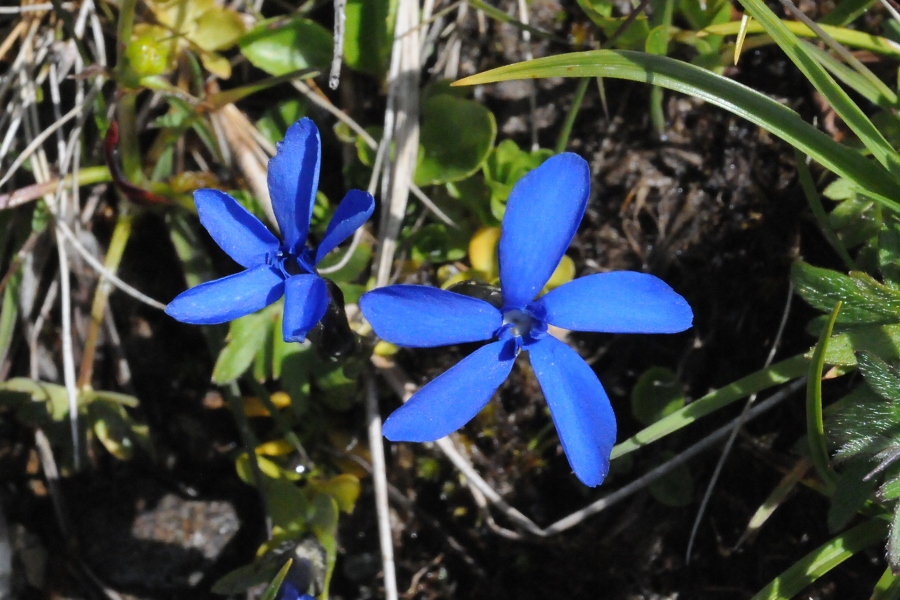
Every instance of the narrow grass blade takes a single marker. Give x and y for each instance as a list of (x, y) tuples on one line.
[(272, 590), (855, 119), (848, 37), (821, 560), (715, 89), (777, 374), (815, 204), (888, 587)]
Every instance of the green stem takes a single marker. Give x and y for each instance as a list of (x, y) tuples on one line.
[(888, 587), (815, 428), (566, 131), (815, 203)]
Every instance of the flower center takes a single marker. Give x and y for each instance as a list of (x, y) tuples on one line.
[(290, 263), (522, 325)]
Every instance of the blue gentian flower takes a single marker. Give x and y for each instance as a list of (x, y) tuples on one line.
[(289, 591), (273, 268), (542, 215)]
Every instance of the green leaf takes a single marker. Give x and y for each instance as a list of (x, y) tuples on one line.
[(821, 560), (276, 119), (883, 378), (505, 166), (218, 29), (246, 338), (889, 251), (865, 300), (368, 35), (355, 265), (9, 311), (864, 425), (881, 340), (279, 47), (850, 494), (322, 515), (741, 100), (893, 545), (51, 397), (888, 587), (272, 589), (675, 488), (455, 138), (344, 489), (763, 379), (657, 394), (438, 243), (114, 428)]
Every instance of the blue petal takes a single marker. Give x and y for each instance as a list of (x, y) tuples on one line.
[(293, 181), (235, 230), (451, 400), (305, 302), (354, 210), (580, 408), (542, 215), (617, 302), (423, 317), (228, 298)]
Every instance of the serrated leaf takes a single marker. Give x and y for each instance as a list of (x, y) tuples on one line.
[(865, 425), (881, 340), (881, 377), (864, 300), (279, 47), (889, 251), (893, 545), (456, 137)]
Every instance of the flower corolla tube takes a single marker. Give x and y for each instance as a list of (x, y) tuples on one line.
[(273, 267), (542, 215)]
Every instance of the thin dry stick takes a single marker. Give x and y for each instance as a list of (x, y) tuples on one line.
[(679, 460), (532, 93), (737, 427), (374, 145), (340, 20), (102, 271), (379, 470), (404, 388), (402, 124)]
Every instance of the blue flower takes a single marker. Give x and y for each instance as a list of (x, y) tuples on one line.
[(273, 268), (289, 591), (542, 215)]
